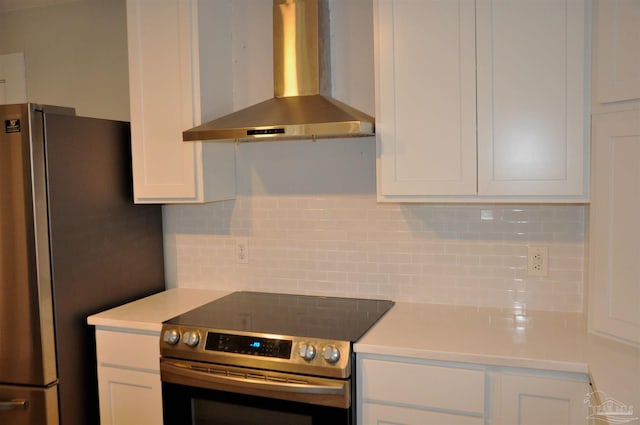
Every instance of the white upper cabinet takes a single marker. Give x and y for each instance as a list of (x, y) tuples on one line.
[(481, 101), (617, 51), (166, 62)]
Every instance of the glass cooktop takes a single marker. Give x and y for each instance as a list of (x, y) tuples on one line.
[(345, 319)]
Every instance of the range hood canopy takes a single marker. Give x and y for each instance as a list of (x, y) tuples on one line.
[(302, 107)]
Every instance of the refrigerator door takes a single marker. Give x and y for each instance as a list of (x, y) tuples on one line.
[(28, 405), (27, 347)]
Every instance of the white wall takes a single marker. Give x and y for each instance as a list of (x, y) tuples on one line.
[(75, 55)]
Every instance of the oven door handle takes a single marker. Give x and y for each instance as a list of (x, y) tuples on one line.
[(186, 371)]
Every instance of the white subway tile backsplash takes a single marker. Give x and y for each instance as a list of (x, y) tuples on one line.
[(353, 246)]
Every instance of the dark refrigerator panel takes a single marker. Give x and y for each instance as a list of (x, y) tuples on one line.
[(105, 250)]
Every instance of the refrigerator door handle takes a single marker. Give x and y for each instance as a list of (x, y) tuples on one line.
[(15, 404)]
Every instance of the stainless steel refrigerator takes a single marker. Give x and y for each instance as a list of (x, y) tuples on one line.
[(72, 243)]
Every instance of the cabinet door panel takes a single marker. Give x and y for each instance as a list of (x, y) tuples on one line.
[(531, 105), (532, 400), (614, 258), (617, 52), (425, 80), (129, 397)]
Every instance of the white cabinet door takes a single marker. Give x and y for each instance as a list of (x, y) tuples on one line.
[(129, 397), (377, 414), (616, 49), (614, 227), (531, 102), (164, 85), (425, 98), (536, 400)]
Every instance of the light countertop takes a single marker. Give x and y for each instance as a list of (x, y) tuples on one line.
[(544, 340), (147, 314), (551, 341)]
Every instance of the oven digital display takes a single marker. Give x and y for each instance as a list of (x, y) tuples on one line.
[(254, 346)]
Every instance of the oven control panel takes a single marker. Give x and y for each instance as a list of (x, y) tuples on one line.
[(305, 355)]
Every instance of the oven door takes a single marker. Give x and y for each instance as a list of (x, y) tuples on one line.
[(201, 393)]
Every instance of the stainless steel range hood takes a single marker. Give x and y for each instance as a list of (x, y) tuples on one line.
[(302, 107)]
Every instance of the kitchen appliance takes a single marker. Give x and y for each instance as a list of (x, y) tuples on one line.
[(264, 358), (72, 243), (302, 106)]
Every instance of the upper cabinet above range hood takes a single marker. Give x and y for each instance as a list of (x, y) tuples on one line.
[(302, 107)]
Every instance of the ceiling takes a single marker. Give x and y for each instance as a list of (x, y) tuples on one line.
[(9, 5)]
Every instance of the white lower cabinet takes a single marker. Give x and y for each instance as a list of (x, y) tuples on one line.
[(403, 391), (129, 378)]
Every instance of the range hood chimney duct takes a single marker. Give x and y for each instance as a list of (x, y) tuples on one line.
[(302, 106)]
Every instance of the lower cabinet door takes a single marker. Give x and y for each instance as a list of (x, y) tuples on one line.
[(523, 399), (129, 397), (378, 414)]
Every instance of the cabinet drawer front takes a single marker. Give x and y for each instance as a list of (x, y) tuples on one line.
[(423, 385), (128, 349)]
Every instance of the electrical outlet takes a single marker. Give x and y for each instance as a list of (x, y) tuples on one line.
[(242, 251), (538, 261)]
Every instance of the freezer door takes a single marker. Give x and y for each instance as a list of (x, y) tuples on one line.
[(27, 345), (28, 405)]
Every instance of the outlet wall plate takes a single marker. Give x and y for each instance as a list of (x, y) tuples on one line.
[(538, 261), (242, 251)]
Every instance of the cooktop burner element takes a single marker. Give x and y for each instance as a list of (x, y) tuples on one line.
[(281, 332)]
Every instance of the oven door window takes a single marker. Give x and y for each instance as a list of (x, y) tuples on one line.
[(197, 406)]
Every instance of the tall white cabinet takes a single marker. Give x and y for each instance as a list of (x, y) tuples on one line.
[(482, 100), (175, 82), (614, 230)]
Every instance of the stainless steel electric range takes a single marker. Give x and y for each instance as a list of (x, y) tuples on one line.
[(264, 358)]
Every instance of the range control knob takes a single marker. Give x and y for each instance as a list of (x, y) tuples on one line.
[(331, 354), (191, 338), (307, 351), (171, 336)]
